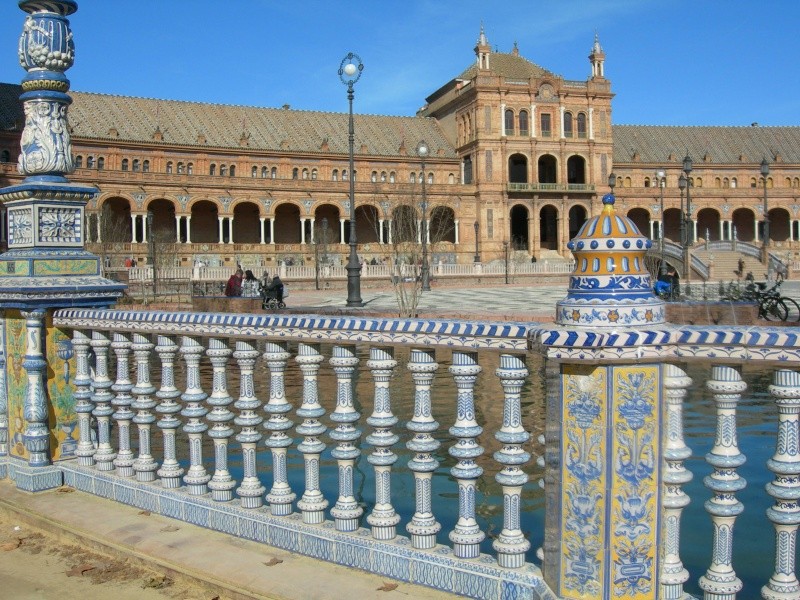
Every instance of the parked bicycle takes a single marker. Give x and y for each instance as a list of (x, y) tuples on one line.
[(771, 305)]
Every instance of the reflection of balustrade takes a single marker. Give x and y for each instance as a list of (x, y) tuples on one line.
[(469, 348)]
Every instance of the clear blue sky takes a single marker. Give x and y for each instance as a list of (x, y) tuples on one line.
[(681, 62)]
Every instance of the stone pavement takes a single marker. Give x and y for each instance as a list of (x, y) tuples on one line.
[(222, 566), (511, 302)]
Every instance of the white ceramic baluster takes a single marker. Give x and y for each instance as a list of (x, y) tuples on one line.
[(347, 512), (101, 397), (511, 545), (196, 478), (83, 394), (35, 411), (171, 470), (145, 465), (785, 463), (673, 573), (3, 388), (313, 503), (281, 496), (423, 526), (466, 536), (720, 581), (250, 491), (121, 345), (221, 483)]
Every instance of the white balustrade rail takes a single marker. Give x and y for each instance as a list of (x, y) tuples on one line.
[(362, 527)]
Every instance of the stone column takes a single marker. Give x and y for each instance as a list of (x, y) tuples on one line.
[(188, 229), (37, 431)]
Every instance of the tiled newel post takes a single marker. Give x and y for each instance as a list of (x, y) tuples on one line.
[(46, 266), (603, 532)]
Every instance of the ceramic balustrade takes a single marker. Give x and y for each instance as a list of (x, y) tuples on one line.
[(370, 520)]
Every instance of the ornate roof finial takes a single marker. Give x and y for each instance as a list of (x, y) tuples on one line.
[(597, 48), (482, 41), (515, 51)]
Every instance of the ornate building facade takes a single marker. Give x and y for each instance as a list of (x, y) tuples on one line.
[(519, 158)]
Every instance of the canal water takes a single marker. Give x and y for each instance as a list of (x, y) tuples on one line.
[(756, 417)]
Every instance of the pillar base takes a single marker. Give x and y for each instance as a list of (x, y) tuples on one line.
[(34, 479)]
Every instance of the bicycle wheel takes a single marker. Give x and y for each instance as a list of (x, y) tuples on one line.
[(792, 310), (774, 309)]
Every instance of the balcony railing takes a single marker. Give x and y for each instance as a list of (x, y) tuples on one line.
[(591, 405), (551, 187)]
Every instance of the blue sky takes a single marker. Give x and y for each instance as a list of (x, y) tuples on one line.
[(681, 62)]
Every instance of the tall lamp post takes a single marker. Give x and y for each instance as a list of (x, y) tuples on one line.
[(477, 258), (688, 233), (422, 152), (661, 177), (350, 72), (151, 251), (765, 244), (316, 250)]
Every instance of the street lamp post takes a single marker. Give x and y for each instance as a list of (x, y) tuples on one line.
[(505, 252), (422, 152), (661, 177), (682, 182), (689, 234), (477, 258), (765, 244), (350, 72), (151, 251)]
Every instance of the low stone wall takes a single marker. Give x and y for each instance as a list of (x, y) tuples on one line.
[(713, 313), (224, 304)]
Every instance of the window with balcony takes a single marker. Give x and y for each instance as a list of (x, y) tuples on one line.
[(523, 122), (509, 122), (546, 124), (581, 123)]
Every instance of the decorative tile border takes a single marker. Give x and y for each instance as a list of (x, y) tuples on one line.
[(481, 578)]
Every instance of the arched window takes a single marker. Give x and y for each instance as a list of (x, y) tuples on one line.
[(392, 176), (190, 169), (136, 164), (733, 182), (568, 124), (313, 174), (581, 119), (717, 182), (78, 162), (254, 171), (101, 163), (753, 182), (383, 176), (725, 182), (90, 162), (374, 177), (233, 171), (646, 182), (264, 172), (169, 168), (295, 173), (345, 177), (335, 175), (146, 166), (509, 122), (451, 178), (274, 173), (467, 167), (212, 170), (627, 182), (620, 182), (5, 156), (420, 178), (124, 164), (355, 174), (223, 170), (430, 177), (412, 178), (180, 168), (698, 182), (523, 122), (305, 173)]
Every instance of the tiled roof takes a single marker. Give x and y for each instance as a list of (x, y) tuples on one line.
[(510, 66), (91, 116), (721, 145)]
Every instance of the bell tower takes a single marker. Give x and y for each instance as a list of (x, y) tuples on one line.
[(597, 58), (482, 51)]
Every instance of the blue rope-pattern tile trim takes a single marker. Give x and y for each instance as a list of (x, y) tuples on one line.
[(454, 333)]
